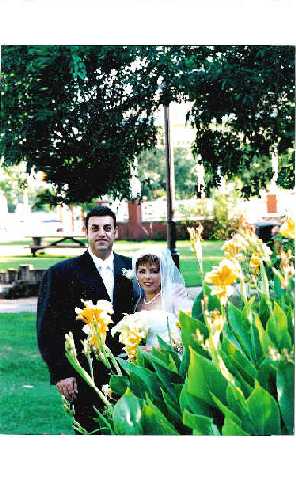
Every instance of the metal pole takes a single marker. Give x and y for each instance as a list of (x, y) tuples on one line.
[(171, 225)]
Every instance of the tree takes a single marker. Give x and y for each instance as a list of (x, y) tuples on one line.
[(152, 173), (82, 114), (67, 110), (243, 107)]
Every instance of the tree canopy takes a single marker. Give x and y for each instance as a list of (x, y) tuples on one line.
[(82, 114)]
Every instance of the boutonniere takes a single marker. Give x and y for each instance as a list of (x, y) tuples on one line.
[(128, 273)]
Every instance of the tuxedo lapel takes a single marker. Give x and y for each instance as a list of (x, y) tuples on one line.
[(118, 265), (92, 278)]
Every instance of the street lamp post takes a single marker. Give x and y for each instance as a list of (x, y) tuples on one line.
[(171, 225)]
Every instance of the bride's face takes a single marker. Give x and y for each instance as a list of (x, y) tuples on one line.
[(148, 276)]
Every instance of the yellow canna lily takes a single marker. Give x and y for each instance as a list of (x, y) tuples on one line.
[(195, 239), (97, 318), (221, 278), (287, 229), (223, 275), (255, 262)]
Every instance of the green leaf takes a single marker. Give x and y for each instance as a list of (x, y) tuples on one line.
[(173, 409), (188, 329), (204, 378), (168, 354), (225, 410), (277, 328), (197, 308), (263, 309), (162, 359), (191, 403), (264, 339), (237, 403), (167, 379), (148, 378), (184, 363), (119, 384), (239, 359), (255, 341), (285, 388), (267, 374), (137, 386), (127, 415), (264, 411), (154, 422), (104, 426), (200, 424), (240, 327), (231, 428)]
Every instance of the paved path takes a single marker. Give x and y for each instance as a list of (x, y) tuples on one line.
[(29, 304)]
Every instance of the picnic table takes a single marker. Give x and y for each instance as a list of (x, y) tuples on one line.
[(55, 241)]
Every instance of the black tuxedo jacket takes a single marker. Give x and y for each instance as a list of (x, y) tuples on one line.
[(62, 288)]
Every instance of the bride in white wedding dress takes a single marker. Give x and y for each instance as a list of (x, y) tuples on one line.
[(163, 293)]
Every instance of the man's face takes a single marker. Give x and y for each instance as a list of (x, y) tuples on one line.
[(101, 234)]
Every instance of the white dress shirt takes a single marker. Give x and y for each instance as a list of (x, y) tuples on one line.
[(106, 271)]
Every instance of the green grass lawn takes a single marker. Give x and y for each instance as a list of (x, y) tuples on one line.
[(188, 265), (28, 404)]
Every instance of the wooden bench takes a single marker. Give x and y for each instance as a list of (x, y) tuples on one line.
[(38, 244)]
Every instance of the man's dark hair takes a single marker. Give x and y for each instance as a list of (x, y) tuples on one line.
[(100, 211)]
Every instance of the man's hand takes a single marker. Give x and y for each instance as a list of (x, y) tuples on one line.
[(68, 387)]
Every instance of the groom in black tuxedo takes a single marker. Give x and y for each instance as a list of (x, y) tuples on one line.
[(95, 275)]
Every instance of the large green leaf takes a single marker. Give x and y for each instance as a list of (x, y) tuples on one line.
[(204, 378), (227, 412), (256, 346), (148, 378), (239, 359), (285, 388), (119, 384), (156, 358), (197, 308), (235, 371), (231, 428), (267, 374), (173, 410), (188, 329), (137, 386), (191, 403), (240, 327), (104, 424), (264, 411), (263, 309), (167, 379), (154, 422), (184, 363), (127, 415), (277, 328), (167, 354), (264, 339), (237, 403), (200, 424)]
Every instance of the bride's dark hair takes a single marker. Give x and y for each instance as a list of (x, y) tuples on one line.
[(148, 259)]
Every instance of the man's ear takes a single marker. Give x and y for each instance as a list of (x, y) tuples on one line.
[(84, 230), (116, 232)]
